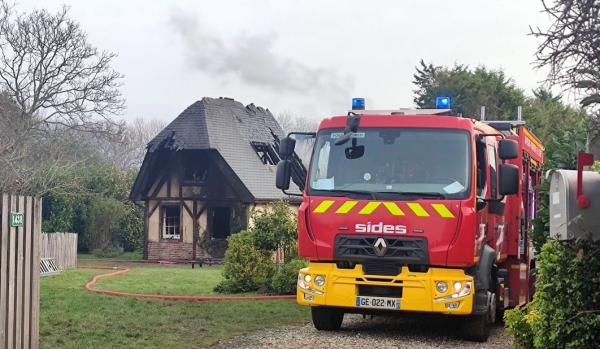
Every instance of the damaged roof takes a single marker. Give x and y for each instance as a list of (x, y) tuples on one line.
[(227, 126)]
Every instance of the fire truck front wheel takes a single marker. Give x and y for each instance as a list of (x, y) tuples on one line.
[(327, 318), (477, 327)]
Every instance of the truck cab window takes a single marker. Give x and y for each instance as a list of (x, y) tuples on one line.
[(491, 151), (481, 166)]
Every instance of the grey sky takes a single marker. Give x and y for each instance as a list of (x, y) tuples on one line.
[(310, 57)]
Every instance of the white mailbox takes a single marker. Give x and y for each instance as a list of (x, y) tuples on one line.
[(567, 202)]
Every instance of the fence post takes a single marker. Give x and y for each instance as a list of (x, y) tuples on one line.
[(20, 231)]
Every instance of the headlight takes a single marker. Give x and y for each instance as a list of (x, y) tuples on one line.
[(306, 287), (320, 280), (457, 286), (441, 287), (307, 278), (464, 291)]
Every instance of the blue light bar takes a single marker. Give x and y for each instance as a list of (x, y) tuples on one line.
[(442, 103), (358, 104)]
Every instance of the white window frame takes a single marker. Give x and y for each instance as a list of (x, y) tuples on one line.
[(170, 223)]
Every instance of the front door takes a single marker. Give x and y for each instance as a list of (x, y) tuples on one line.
[(221, 222)]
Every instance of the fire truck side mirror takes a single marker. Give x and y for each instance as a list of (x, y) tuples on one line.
[(509, 179), (287, 146), (508, 149), (283, 175)]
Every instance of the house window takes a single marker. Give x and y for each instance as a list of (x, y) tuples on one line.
[(194, 167), (171, 222), (265, 152)]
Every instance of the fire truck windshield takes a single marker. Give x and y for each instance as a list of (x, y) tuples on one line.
[(395, 160)]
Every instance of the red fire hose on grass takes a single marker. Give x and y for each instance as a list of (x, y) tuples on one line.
[(120, 270)]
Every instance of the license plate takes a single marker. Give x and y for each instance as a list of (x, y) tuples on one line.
[(377, 302)]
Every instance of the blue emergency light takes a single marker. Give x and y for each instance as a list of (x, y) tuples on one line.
[(358, 104), (442, 103)]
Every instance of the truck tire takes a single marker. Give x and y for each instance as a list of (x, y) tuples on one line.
[(477, 328), (326, 318), (496, 287)]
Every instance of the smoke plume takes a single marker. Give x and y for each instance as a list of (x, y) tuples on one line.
[(251, 58)]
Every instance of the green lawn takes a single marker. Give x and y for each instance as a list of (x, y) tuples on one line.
[(123, 255), (73, 318), (179, 280)]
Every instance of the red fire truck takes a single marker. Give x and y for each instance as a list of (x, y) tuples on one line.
[(414, 211)]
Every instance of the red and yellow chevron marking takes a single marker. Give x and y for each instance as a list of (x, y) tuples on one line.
[(501, 295), (411, 208)]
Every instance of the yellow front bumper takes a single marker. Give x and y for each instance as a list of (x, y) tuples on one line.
[(419, 293)]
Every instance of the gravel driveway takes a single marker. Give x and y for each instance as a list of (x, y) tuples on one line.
[(380, 332)]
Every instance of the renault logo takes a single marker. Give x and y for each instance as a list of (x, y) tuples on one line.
[(380, 247)]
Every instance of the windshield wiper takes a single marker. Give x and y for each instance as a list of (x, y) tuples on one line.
[(348, 191), (425, 194)]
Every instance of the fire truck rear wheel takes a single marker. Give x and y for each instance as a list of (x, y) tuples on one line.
[(327, 318)]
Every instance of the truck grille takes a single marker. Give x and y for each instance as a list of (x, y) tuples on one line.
[(386, 269), (359, 248)]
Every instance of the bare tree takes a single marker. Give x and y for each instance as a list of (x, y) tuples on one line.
[(571, 46), (292, 122), (128, 150), (45, 163), (47, 64), (54, 85), (571, 49)]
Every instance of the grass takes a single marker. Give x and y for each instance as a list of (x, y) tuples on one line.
[(72, 318), (179, 280), (111, 255)]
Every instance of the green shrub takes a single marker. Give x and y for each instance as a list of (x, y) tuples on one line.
[(245, 267), (276, 227), (285, 281), (216, 248), (568, 295), (131, 228), (517, 322), (596, 166), (104, 223)]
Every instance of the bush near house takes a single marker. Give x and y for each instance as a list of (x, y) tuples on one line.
[(248, 265), (565, 311), (285, 281)]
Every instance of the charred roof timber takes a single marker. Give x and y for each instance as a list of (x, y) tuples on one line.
[(265, 152)]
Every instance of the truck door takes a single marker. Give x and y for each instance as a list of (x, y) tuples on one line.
[(496, 217)]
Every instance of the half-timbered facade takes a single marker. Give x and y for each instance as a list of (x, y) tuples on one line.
[(203, 173)]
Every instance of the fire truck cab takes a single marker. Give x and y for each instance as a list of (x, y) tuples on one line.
[(414, 211)]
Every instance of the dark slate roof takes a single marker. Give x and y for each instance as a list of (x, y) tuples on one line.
[(227, 126)]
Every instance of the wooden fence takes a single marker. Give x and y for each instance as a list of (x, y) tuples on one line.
[(62, 247), (20, 232)]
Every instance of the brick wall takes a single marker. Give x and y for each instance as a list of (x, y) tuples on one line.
[(169, 250)]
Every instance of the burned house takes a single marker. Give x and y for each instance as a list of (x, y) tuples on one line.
[(203, 173)]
